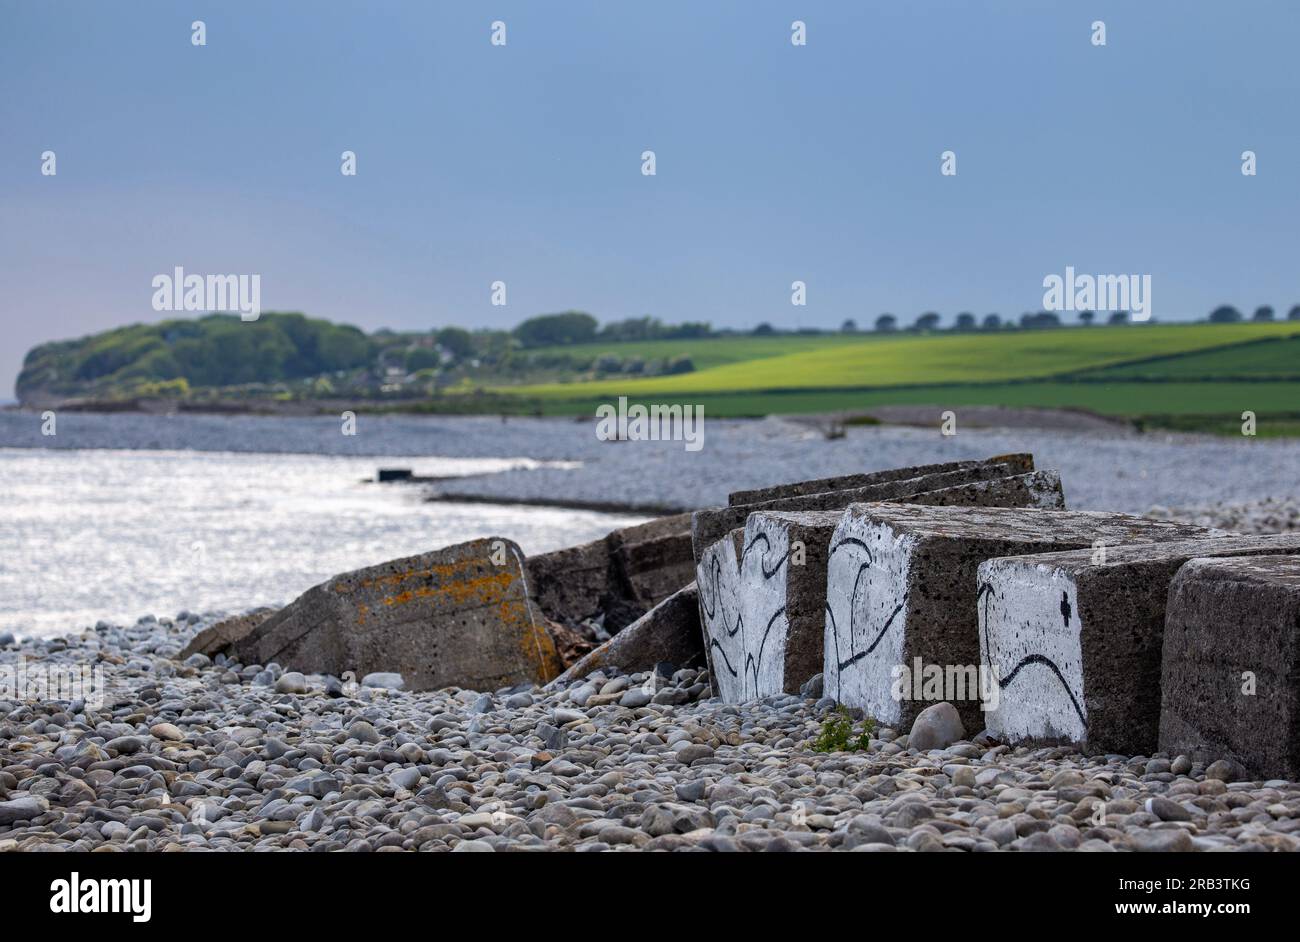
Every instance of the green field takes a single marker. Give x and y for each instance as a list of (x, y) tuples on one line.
[(927, 360), (1186, 376), (707, 352), (1265, 359)]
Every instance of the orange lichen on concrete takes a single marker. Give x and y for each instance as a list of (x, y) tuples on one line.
[(446, 571), (540, 651), (484, 589)]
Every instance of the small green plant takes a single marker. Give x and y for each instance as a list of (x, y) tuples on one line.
[(837, 734)]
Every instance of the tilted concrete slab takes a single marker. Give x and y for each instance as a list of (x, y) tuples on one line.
[(621, 576), (654, 560), (459, 616), (709, 526), (902, 595), (1018, 463), (1231, 669), (1037, 489), (1075, 638), (217, 638), (765, 591), (668, 632)]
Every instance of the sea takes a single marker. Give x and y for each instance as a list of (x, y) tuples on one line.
[(90, 534)]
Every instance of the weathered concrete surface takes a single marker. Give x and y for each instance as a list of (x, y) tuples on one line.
[(571, 584), (773, 586), (653, 560), (1231, 670), (1018, 463), (621, 576), (761, 600), (668, 632), (459, 616), (1038, 489), (1075, 638), (216, 638), (902, 585), (709, 526)]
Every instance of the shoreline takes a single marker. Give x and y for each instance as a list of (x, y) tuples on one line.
[(632, 509), (203, 755)]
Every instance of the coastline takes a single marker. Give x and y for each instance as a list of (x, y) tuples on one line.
[(212, 755)]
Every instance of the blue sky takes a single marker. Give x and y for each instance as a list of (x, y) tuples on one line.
[(522, 163)]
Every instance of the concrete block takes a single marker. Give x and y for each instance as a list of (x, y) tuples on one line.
[(459, 616), (1016, 463), (1075, 638), (709, 526), (1037, 489), (620, 576), (216, 638), (763, 595), (654, 560), (902, 590), (761, 607), (668, 632), (1231, 669), (570, 584)]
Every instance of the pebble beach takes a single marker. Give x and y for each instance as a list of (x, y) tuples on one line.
[(218, 756)]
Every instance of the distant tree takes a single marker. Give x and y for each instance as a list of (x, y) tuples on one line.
[(457, 341), (1086, 318), (764, 330), (992, 322), (1117, 318), (608, 363), (965, 321), (632, 328), (420, 358), (927, 321), (1039, 320), (687, 330), (1263, 313), (679, 364), (557, 329), (886, 323), (493, 346), (1294, 313), (850, 326), (1225, 314)]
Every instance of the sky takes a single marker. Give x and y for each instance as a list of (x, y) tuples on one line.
[(522, 163)]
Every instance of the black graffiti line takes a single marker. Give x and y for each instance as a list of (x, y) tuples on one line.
[(854, 541), (835, 628), (879, 636), (714, 573), (740, 621), (767, 574), (985, 592), (835, 636), (758, 664), (713, 643), (1043, 659)]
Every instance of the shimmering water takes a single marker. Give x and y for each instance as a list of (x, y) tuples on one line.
[(101, 534)]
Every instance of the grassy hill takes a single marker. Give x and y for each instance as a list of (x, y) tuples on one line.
[(925, 360), (1171, 375)]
